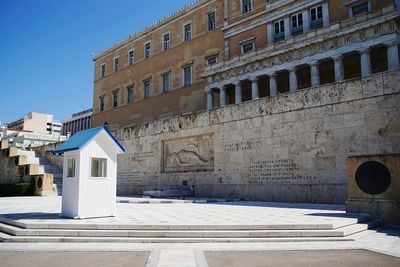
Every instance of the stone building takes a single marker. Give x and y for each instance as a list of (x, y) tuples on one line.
[(254, 99), (238, 50)]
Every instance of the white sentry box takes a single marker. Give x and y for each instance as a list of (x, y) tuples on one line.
[(90, 174)]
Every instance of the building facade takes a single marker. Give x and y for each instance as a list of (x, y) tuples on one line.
[(284, 93), (37, 123), (80, 121), (220, 52), (156, 73), (292, 45)]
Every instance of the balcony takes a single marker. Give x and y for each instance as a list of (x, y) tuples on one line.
[(316, 24), (279, 37), (297, 31)]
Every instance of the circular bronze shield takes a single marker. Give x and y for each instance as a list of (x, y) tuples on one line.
[(373, 177)]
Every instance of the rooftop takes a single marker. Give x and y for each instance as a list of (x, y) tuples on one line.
[(82, 138), (150, 28)]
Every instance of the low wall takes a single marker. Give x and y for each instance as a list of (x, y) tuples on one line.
[(292, 147)]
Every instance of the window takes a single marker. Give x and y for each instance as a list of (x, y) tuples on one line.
[(71, 167), (247, 47), (187, 76), (101, 103), (316, 17), (131, 57), (359, 9), (187, 29), (146, 93), (279, 31), (211, 21), (99, 167), (246, 6), (103, 70), (297, 24), (115, 99), (129, 91), (116, 64), (166, 41), (147, 50), (211, 60), (166, 77)]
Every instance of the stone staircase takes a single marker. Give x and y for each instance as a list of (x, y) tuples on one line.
[(16, 231), (33, 165)]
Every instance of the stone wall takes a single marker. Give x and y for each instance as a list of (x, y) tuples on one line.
[(10, 172), (292, 147)]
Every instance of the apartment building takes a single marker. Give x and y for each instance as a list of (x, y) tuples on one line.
[(37, 123), (221, 52)]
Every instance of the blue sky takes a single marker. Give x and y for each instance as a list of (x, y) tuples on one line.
[(46, 46)]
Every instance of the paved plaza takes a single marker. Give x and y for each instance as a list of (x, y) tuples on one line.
[(32, 210), (380, 245)]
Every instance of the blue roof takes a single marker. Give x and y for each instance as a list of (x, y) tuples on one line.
[(80, 139)]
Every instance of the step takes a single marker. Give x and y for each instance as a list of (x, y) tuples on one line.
[(60, 239), (15, 231), (87, 226), (35, 169), (14, 152), (177, 234), (26, 160), (54, 221), (4, 144), (226, 233)]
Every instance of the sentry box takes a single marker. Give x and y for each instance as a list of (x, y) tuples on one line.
[(90, 174)]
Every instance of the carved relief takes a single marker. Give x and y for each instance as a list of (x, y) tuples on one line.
[(189, 154)]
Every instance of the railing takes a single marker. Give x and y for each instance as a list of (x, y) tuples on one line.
[(316, 24), (27, 140), (297, 30)]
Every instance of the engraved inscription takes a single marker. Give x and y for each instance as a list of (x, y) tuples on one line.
[(243, 145), (128, 178), (283, 171), (143, 155), (194, 153)]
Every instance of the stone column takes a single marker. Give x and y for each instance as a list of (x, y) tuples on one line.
[(325, 14), (287, 27), (238, 93), (365, 61), (393, 55), (254, 89), (306, 21), (339, 71), (270, 33), (226, 13), (293, 79), (315, 80), (273, 86), (209, 100), (226, 49), (222, 96)]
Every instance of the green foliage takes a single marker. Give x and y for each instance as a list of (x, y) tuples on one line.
[(20, 189)]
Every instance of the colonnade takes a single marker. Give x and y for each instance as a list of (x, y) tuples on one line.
[(365, 64)]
